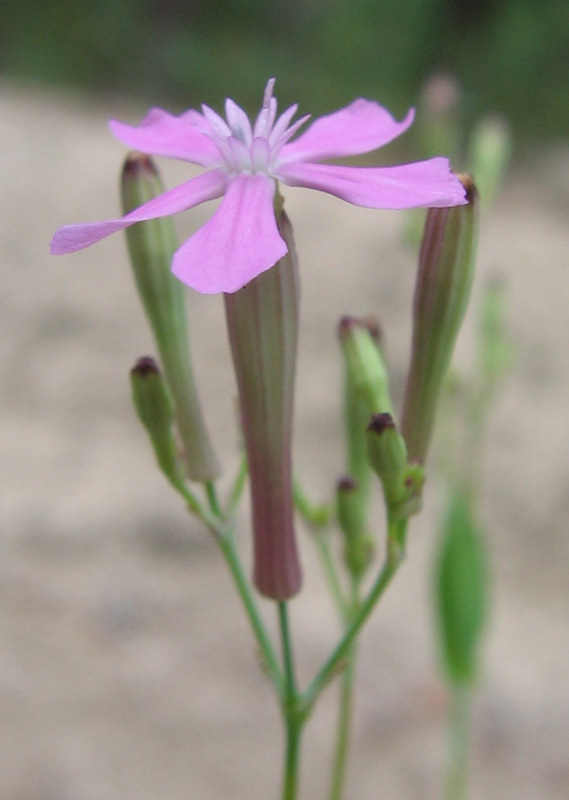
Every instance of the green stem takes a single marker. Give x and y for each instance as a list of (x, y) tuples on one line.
[(212, 499), (238, 486), (343, 730), (457, 776), (330, 572), (313, 515), (395, 555), (227, 547), (294, 718)]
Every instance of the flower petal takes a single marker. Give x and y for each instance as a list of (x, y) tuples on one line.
[(162, 134), (239, 242), (361, 127), (424, 183), (205, 187)]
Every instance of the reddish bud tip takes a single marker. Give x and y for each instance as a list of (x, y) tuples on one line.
[(374, 328), (347, 324), (145, 365), (347, 484), (137, 164), (469, 185), (380, 423)]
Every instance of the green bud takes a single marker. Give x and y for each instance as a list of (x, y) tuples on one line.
[(359, 546), (365, 390), (490, 152), (388, 457), (462, 591), (444, 280), (151, 246), (365, 366), (155, 409)]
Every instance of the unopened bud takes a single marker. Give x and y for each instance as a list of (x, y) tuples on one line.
[(358, 544), (490, 152), (365, 365), (366, 389), (151, 246), (387, 456), (155, 409), (444, 280)]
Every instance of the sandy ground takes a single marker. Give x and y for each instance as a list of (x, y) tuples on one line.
[(126, 667)]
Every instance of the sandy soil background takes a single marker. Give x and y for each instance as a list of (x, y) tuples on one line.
[(126, 667)]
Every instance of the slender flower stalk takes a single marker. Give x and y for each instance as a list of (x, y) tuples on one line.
[(262, 320), (244, 163)]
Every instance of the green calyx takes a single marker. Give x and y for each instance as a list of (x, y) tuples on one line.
[(151, 246), (155, 409), (402, 481)]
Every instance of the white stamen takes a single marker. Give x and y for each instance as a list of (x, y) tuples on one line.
[(268, 93)]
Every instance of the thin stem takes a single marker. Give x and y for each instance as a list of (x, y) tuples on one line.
[(227, 546), (318, 518), (288, 660), (238, 486), (345, 711), (344, 728), (457, 776), (395, 555), (212, 498), (314, 515), (331, 573), (294, 719), (223, 535)]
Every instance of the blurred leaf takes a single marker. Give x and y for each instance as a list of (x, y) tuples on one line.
[(462, 590)]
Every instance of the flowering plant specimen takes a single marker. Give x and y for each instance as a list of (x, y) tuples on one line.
[(244, 162), (246, 250)]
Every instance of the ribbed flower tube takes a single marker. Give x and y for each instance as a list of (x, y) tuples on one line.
[(262, 320), (444, 280)]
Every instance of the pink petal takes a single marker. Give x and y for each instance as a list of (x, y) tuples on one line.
[(162, 134), (239, 242), (424, 183), (361, 127), (205, 187)]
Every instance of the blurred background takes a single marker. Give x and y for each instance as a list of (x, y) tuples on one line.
[(511, 56), (127, 671)]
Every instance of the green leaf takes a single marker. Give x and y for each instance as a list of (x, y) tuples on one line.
[(462, 591)]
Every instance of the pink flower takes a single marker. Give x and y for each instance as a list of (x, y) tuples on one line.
[(244, 163)]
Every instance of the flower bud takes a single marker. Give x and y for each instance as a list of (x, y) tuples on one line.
[(358, 544), (444, 280), (402, 482), (490, 151), (366, 390), (155, 409), (262, 321), (151, 246), (462, 591), (365, 365)]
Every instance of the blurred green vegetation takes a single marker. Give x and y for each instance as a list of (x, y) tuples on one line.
[(510, 56)]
